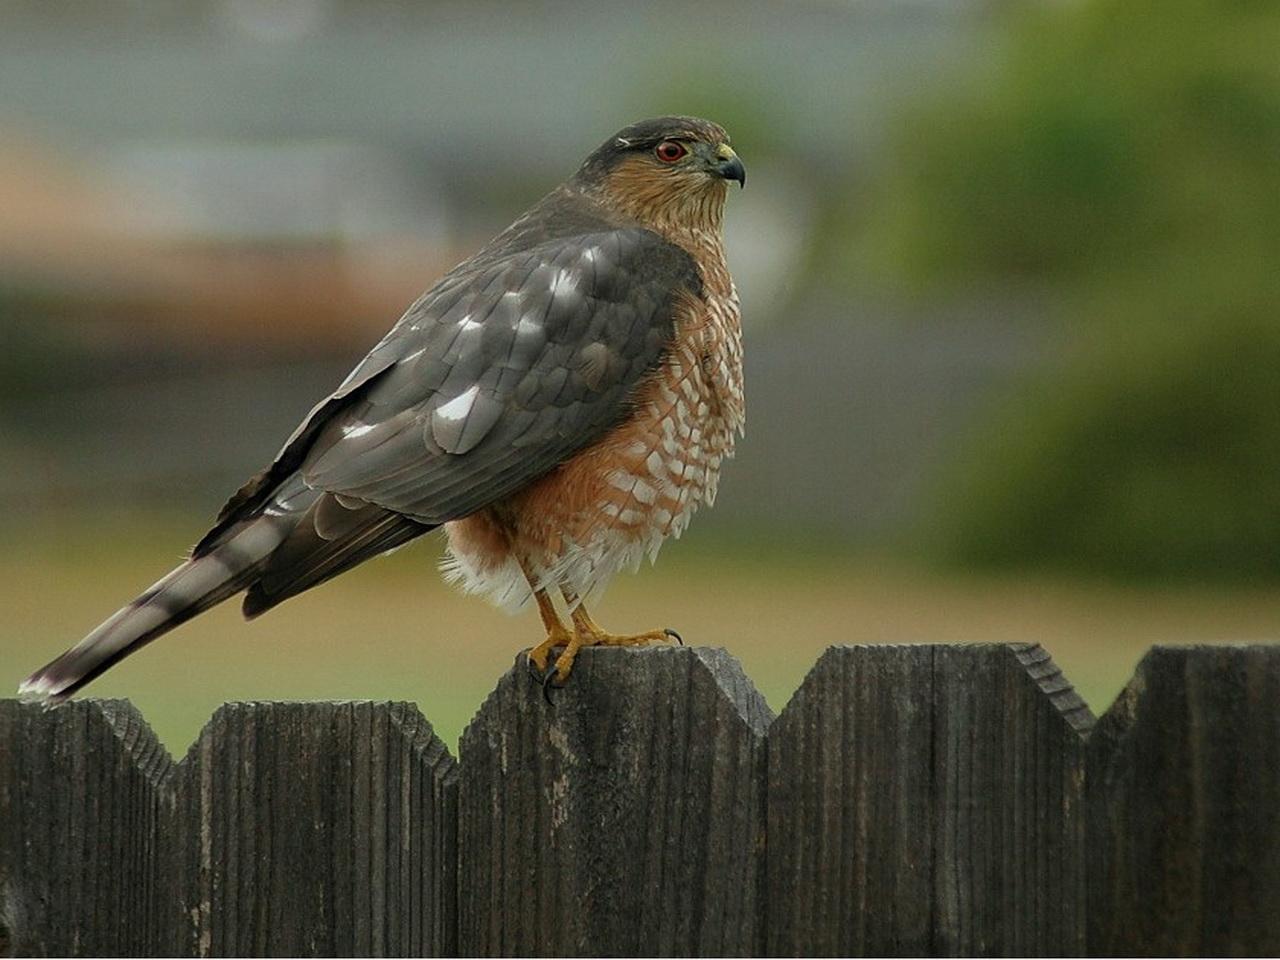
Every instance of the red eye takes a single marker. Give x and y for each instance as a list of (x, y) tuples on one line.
[(669, 151)]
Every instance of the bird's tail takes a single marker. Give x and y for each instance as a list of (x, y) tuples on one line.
[(195, 586)]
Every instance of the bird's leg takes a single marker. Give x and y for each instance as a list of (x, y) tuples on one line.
[(557, 634), (588, 633)]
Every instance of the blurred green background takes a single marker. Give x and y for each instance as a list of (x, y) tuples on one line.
[(1007, 270)]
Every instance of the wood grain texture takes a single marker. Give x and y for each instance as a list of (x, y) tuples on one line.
[(1184, 810), (850, 858), (626, 818), (84, 801), (1009, 812), (928, 800), (318, 829), (910, 800)]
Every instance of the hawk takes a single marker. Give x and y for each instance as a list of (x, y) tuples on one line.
[(560, 403)]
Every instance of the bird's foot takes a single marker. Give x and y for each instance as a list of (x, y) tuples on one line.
[(588, 634), (539, 657), (585, 633)]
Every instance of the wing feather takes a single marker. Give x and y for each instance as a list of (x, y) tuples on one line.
[(517, 359), (470, 414)]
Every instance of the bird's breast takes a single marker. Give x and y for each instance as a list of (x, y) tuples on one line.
[(616, 501), (644, 479)]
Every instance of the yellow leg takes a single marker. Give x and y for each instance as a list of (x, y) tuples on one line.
[(588, 633), (557, 635)]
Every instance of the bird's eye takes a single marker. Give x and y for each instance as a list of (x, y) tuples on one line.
[(669, 151)]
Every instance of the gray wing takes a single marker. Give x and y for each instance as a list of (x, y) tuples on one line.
[(503, 374), (495, 376)]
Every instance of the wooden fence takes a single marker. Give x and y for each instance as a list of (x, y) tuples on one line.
[(909, 800)]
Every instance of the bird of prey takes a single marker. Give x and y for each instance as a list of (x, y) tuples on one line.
[(560, 403)]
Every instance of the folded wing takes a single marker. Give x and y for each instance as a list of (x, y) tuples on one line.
[(494, 377)]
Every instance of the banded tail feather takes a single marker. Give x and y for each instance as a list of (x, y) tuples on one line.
[(188, 590), (274, 555)]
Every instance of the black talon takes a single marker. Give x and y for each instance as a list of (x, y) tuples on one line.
[(541, 677), (547, 685), (675, 636)]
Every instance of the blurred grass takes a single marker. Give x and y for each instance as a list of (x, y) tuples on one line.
[(392, 630)]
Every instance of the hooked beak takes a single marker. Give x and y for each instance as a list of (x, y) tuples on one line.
[(729, 166)]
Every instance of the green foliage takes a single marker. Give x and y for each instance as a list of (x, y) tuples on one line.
[(1125, 156), (1157, 452), (1111, 134)]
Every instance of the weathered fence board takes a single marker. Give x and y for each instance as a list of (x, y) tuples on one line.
[(1184, 811), (83, 795), (909, 800), (927, 800), (310, 828), (1008, 775), (850, 858), (318, 829), (626, 818)]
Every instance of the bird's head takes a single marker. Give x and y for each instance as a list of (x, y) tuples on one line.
[(664, 171)]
